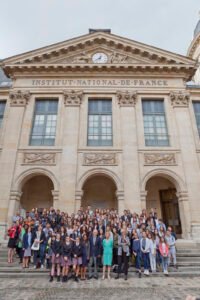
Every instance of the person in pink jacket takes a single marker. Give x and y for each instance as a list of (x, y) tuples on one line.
[(164, 251)]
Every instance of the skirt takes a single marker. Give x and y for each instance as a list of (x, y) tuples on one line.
[(77, 261), (12, 243), (84, 261), (27, 252), (65, 263), (55, 260)]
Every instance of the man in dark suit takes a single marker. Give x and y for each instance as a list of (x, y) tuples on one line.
[(95, 248)]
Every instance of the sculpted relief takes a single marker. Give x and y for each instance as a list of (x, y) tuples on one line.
[(39, 158), (160, 159), (99, 159)]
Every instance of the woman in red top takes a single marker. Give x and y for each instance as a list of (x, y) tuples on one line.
[(12, 233), (164, 251)]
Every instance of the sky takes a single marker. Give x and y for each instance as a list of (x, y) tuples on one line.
[(30, 24)]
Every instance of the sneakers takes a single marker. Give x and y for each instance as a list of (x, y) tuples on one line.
[(166, 273), (34, 267), (146, 272), (42, 266)]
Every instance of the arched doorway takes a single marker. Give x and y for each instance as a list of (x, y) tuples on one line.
[(161, 195), (99, 191), (37, 192)]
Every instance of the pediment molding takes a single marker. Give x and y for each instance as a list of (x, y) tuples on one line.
[(98, 39)]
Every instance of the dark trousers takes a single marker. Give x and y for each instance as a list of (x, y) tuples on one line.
[(115, 256), (123, 259), (138, 261)]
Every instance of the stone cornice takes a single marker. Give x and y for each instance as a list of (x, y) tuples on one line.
[(19, 98), (195, 43), (179, 99), (73, 97), (126, 98)]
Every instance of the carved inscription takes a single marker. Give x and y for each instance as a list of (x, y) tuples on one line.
[(99, 159), (160, 159)]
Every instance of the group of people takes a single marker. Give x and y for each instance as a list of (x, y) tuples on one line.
[(71, 245)]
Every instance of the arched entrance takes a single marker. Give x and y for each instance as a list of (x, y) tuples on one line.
[(162, 196), (37, 192), (99, 191)]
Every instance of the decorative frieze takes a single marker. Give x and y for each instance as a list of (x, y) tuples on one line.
[(72, 98), (126, 98), (99, 159), (158, 159), (179, 99), (19, 98), (39, 158)]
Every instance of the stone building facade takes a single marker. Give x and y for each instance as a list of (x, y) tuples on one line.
[(102, 120)]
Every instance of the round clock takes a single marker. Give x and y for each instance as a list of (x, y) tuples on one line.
[(100, 58)]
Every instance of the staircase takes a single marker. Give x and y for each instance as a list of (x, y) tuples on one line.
[(188, 261)]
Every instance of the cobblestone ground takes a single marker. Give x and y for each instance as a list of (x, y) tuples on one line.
[(135, 288)]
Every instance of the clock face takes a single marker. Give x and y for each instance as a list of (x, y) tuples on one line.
[(100, 58)]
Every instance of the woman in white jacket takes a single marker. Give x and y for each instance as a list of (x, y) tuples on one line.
[(152, 253)]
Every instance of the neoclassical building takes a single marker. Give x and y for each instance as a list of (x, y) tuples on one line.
[(102, 120)]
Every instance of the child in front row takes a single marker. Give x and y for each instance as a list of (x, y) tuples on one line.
[(56, 247), (77, 257), (66, 260)]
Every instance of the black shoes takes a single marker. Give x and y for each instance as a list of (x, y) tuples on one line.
[(140, 275), (76, 279), (58, 279), (117, 277), (125, 277), (51, 279)]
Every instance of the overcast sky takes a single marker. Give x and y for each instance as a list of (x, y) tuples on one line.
[(29, 24)]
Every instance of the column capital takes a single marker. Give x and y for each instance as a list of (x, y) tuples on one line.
[(72, 97), (15, 195), (179, 99), (19, 98), (127, 98), (55, 195)]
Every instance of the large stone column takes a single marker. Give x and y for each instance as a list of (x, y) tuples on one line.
[(14, 204), (127, 102), (78, 199), (13, 125), (72, 102), (120, 200), (190, 210), (184, 215)]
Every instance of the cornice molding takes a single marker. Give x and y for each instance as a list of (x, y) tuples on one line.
[(19, 98), (179, 99), (73, 97)]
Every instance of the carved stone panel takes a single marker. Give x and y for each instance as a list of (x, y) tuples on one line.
[(179, 99), (126, 98), (72, 98), (158, 159), (19, 98), (39, 158), (99, 159)]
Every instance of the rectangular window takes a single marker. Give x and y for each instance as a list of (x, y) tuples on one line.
[(155, 126), (196, 106), (2, 109), (100, 122), (44, 123)]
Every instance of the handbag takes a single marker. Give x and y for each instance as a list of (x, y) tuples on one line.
[(36, 245)]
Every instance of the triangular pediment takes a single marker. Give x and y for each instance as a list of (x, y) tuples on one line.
[(79, 50)]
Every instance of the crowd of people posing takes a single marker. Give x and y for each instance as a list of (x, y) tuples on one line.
[(71, 245)]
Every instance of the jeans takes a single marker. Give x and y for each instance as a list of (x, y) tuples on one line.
[(152, 262), (172, 253), (93, 260), (165, 263), (42, 253), (138, 261), (145, 257)]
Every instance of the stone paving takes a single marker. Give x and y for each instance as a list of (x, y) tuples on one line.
[(135, 288)]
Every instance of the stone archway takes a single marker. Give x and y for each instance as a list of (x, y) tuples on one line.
[(26, 183), (99, 192), (37, 192), (165, 190), (112, 179)]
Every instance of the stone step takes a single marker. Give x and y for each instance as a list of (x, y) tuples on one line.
[(131, 275)]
